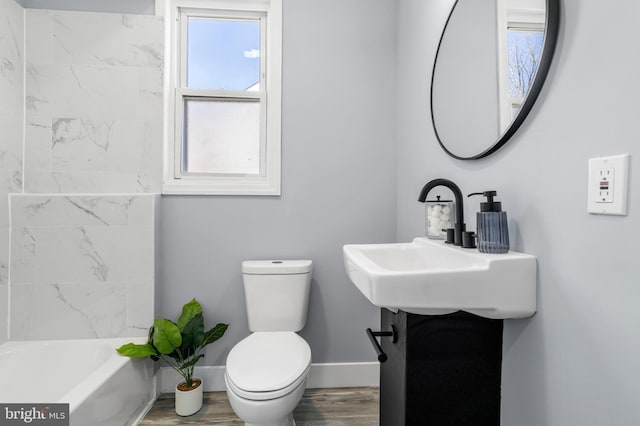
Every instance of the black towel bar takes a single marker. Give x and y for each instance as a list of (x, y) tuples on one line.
[(382, 357)]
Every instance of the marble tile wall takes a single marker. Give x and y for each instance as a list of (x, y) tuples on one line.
[(11, 133), (81, 266), (82, 230), (93, 102)]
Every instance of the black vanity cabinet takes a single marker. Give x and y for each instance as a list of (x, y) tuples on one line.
[(443, 370)]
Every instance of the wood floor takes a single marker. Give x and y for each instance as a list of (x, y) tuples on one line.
[(318, 407)]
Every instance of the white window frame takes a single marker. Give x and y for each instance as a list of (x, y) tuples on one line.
[(268, 182)]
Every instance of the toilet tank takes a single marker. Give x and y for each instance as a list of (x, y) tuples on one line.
[(276, 293)]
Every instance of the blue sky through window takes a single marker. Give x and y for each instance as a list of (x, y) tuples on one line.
[(223, 54)]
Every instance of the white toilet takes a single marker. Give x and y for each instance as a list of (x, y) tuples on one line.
[(267, 371)]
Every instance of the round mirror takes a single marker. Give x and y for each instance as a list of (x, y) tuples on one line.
[(489, 68)]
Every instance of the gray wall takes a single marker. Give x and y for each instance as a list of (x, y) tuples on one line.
[(338, 180), (576, 361)]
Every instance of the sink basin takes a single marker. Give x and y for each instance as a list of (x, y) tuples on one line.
[(429, 277)]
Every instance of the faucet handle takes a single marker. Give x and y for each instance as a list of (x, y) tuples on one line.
[(468, 239), (450, 235)]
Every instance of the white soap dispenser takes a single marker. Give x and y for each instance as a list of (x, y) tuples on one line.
[(492, 227)]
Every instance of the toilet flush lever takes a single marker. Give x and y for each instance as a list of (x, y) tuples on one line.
[(382, 357)]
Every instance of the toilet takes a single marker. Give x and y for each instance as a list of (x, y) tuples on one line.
[(266, 372)]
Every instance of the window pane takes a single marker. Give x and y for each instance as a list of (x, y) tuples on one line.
[(223, 54), (221, 136), (525, 48)]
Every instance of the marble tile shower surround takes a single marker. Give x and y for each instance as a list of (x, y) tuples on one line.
[(82, 252), (93, 102), (11, 133), (81, 266)]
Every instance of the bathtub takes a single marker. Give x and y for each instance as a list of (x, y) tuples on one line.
[(101, 386)]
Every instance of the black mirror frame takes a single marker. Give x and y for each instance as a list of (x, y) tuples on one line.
[(552, 25)]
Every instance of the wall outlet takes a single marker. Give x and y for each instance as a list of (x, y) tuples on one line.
[(607, 188)]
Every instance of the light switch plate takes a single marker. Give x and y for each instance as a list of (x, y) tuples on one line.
[(607, 188)]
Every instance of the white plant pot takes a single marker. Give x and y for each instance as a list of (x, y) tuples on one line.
[(189, 402)]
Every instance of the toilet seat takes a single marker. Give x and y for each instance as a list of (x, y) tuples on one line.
[(268, 365), (265, 396)]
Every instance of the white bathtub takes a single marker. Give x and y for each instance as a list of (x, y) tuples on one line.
[(101, 387)]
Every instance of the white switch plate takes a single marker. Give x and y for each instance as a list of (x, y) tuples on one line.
[(608, 181)]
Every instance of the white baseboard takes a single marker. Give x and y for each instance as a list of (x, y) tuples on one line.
[(344, 375), (330, 375)]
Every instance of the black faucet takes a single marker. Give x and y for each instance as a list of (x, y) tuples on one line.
[(459, 226)]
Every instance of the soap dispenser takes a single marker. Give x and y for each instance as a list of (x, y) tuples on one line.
[(491, 222)]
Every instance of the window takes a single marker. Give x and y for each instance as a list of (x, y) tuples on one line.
[(224, 107), (524, 52), (520, 41)]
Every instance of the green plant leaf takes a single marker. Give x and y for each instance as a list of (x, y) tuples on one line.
[(189, 310), (137, 351), (192, 361), (192, 334), (177, 354), (214, 334), (166, 336)]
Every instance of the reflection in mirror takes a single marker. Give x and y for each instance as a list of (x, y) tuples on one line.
[(490, 65), (524, 34)]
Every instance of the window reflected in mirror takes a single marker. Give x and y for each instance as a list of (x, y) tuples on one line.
[(521, 30), (525, 50)]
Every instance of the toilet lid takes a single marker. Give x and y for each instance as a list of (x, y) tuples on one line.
[(268, 361)]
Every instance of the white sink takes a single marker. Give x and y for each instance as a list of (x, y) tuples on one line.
[(429, 277)]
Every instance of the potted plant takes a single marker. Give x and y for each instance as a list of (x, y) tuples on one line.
[(180, 344)]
